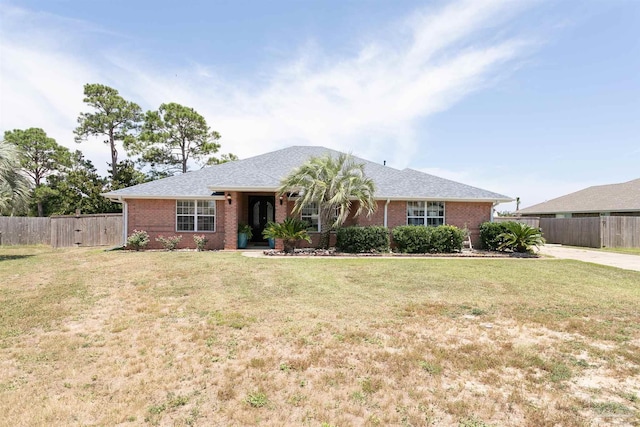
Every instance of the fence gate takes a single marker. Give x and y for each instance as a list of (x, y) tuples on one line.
[(86, 230), (621, 232)]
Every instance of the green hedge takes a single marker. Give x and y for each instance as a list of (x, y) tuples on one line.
[(417, 239), (362, 239), (489, 232)]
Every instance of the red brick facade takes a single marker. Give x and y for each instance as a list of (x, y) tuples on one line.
[(158, 217), (231, 220), (470, 215)]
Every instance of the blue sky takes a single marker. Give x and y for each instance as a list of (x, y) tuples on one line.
[(527, 98)]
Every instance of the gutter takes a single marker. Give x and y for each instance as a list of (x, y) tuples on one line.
[(120, 198)]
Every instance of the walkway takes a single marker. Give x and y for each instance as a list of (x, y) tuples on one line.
[(628, 262)]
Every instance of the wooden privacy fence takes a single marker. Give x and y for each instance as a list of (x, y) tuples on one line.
[(62, 231), (572, 231), (16, 230), (593, 232)]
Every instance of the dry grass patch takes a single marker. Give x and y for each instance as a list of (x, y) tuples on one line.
[(188, 338)]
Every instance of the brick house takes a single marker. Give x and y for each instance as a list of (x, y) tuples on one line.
[(214, 200)]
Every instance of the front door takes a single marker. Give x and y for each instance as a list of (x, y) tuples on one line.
[(261, 211)]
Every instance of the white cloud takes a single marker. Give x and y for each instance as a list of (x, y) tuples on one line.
[(368, 103)]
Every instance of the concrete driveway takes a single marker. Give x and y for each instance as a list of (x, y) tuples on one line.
[(628, 262)]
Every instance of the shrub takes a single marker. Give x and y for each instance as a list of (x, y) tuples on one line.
[(169, 243), (412, 239), (200, 241), (490, 235), (446, 239), (362, 239), (416, 239), (139, 239), (521, 237)]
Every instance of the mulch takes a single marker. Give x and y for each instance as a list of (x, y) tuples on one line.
[(464, 254)]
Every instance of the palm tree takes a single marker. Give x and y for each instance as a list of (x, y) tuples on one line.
[(14, 187), (333, 184)]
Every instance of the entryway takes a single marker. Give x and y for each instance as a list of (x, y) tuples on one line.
[(261, 211)]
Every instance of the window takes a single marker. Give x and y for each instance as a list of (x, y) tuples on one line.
[(195, 215), (311, 214), (425, 213)]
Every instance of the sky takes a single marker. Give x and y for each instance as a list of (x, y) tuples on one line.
[(531, 99)]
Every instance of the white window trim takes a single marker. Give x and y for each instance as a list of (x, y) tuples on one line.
[(426, 212), (195, 216)]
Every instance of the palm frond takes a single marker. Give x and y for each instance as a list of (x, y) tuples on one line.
[(14, 186)]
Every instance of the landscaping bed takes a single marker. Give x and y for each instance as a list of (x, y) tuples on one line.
[(312, 252)]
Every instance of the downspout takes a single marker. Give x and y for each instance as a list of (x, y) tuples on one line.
[(385, 212), (492, 209), (125, 222)]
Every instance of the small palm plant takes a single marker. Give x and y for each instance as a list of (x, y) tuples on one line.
[(520, 237), (291, 230)]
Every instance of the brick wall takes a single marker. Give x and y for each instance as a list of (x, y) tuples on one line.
[(471, 215), (158, 217), (396, 214), (376, 218), (231, 218)]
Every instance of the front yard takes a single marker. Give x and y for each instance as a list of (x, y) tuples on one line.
[(187, 338)]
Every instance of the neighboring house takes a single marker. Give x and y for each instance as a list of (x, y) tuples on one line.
[(213, 200), (600, 200)]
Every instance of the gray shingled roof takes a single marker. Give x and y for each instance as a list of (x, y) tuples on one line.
[(600, 198), (265, 171)]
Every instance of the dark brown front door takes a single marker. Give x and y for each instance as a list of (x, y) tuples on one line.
[(262, 209)]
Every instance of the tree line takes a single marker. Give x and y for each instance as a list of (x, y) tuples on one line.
[(40, 177)]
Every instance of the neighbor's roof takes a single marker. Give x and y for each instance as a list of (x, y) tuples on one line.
[(264, 172), (600, 198)]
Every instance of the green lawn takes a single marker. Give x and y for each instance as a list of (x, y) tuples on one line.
[(630, 251), (185, 338)]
